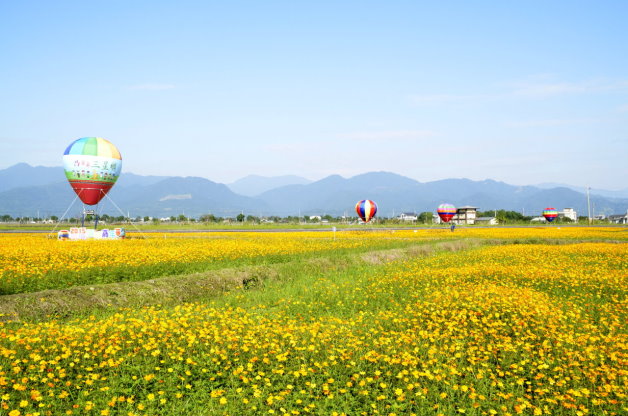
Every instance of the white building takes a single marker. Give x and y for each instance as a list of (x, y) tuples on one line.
[(486, 221), (569, 213), (408, 216)]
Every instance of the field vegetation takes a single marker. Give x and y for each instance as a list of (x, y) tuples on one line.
[(478, 322)]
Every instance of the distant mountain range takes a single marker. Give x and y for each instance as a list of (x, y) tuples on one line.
[(254, 185), (27, 191), (623, 193)]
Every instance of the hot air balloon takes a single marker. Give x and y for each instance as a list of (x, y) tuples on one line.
[(446, 212), (92, 165), (550, 214), (366, 209)]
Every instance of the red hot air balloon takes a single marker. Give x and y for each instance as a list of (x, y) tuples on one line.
[(366, 209), (92, 166), (550, 214), (446, 212)]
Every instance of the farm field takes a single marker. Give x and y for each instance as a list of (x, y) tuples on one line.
[(531, 321), (32, 262)]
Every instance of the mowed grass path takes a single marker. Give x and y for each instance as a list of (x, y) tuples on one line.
[(513, 329)]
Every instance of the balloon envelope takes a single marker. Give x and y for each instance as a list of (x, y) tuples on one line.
[(550, 214), (446, 212), (366, 209), (92, 165)]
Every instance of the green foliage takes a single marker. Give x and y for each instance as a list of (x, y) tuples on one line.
[(426, 217), (504, 216)]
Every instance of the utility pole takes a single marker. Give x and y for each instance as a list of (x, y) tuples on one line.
[(589, 204)]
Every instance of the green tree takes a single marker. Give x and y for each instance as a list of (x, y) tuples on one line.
[(426, 217), (504, 216), (240, 217), (208, 218)]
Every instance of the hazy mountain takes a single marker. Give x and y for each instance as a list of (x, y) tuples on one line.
[(131, 179), (622, 193), (253, 185), (23, 174), (171, 196), (335, 194), (166, 196), (394, 194), (191, 196)]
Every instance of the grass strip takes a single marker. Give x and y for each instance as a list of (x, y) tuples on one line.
[(181, 288)]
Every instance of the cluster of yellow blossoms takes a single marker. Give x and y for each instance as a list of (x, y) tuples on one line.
[(537, 329)]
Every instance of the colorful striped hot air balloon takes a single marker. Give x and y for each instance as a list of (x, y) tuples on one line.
[(366, 209), (92, 165), (550, 214), (446, 212)]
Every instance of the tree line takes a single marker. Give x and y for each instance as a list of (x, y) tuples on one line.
[(502, 215)]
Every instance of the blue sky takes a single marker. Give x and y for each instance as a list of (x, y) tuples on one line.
[(523, 92)]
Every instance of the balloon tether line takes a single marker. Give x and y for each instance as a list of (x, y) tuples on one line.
[(119, 210), (63, 216)]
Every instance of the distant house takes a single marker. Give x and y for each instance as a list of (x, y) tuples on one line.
[(486, 221), (315, 217), (408, 216), (465, 215), (569, 213), (538, 219), (619, 219)]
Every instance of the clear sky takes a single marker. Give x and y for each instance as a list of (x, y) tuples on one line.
[(519, 91)]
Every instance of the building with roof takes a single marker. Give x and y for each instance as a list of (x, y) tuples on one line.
[(619, 219), (408, 216), (486, 220), (465, 215), (569, 213)]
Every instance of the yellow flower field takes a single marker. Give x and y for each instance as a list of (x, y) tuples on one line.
[(27, 260), (24, 258), (35, 255), (531, 329)]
